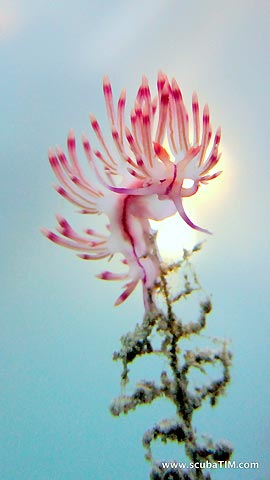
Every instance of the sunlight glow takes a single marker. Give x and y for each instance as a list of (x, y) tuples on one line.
[(188, 183), (173, 236)]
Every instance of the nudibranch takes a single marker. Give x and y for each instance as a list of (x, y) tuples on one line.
[(142, 180)]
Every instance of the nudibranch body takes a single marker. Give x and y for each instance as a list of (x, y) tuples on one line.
[(143, 180)]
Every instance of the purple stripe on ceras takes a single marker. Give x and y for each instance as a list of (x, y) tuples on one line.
[(127, 232), (170, 186)]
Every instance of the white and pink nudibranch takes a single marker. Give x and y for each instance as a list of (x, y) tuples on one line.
[(141, 181)]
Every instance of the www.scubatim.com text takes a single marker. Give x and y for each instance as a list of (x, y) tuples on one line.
[(209, 465)]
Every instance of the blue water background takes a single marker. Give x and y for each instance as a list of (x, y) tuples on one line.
[(58, 328)]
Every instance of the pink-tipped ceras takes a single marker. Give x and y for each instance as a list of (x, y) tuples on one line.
[(140, 181)]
